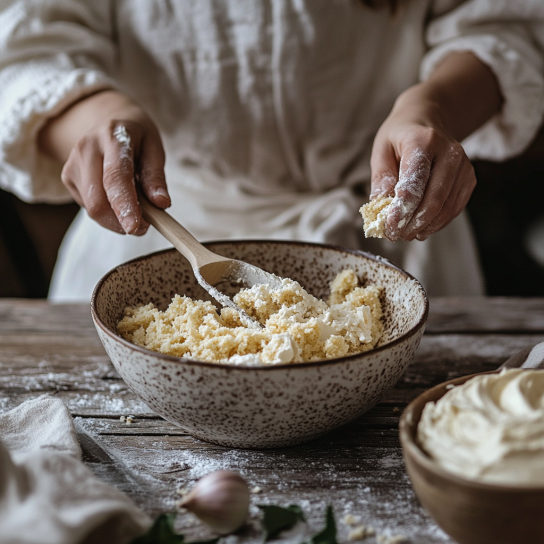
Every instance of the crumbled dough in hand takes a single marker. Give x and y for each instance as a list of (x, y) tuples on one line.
[(297, 326), (375, 215)]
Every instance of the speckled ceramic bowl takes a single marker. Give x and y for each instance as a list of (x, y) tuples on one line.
[(471, 512), (269, 406)]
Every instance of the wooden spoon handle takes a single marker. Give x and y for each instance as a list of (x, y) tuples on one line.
[(177, 235)]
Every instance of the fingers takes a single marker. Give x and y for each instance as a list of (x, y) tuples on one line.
[(118, 178), (447, 163), (101, 170), (457, 200), (151, 171), (385, 171), (82, 175), (414, 174), (434, 184)]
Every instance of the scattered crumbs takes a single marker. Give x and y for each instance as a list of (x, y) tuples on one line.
[(254, 510), (190, 521), (256, 489), (395, 539), (350, 519), (396, 409), (182, 491), (105, 403), (360, 532), (394, 507), (116, 388)]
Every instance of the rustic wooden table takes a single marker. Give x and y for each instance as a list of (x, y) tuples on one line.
[(358, 468)]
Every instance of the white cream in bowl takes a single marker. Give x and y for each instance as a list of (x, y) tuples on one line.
[(491, 428)]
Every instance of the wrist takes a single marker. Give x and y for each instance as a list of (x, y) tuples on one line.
[(419, 105), (104, 106), (459, 97), (61, 133)]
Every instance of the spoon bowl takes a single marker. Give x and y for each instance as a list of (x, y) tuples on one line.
[(210, 269)]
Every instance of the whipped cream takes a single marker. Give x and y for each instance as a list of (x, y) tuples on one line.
[(491, 428)]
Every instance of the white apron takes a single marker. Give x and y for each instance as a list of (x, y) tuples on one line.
[(267, 111)]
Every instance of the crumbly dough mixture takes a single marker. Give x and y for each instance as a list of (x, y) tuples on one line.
[(297, 326), (374, 216), (491, 428)]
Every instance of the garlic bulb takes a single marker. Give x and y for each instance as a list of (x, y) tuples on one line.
[(220, 500)]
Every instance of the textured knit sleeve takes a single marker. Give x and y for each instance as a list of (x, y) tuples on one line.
[(52, 53), (506, 35)]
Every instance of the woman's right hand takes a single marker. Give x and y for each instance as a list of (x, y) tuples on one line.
[(106, 142)]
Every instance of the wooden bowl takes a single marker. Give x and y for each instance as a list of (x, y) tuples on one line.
[(260, 406), (471, 512)]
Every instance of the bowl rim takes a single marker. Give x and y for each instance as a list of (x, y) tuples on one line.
[(408, 428), (170, 358)]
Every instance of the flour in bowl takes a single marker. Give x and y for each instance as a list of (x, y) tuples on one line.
[(491, 428), (298, 327)]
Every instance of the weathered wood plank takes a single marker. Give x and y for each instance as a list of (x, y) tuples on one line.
[(445, 357), (90, 386), (87, 404), (40, 316), (486, 314), (343, 468), (358, 468), (447, 314), (377, 429)]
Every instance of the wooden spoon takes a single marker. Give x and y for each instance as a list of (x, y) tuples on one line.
[(208, 267)]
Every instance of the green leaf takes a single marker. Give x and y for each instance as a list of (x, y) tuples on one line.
[(277, 518), (328, 534), (162, 532)]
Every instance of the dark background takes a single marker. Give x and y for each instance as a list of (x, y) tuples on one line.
[(508, 199)]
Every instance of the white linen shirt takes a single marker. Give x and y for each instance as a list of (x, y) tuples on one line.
[(267, 111)]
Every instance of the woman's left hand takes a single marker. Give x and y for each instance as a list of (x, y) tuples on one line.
[(424, 168), (417, 157)]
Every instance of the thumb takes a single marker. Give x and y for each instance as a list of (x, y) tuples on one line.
[(384, 169)]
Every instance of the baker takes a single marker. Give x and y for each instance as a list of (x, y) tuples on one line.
[(265, 120)]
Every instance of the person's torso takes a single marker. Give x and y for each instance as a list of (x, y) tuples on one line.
[(277, 96)]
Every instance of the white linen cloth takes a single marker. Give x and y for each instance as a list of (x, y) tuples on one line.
[(532, 357), (267, 111), (47, 495)]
